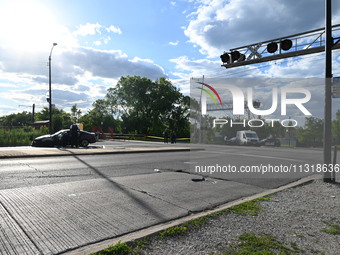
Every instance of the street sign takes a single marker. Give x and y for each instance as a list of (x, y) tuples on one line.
[(336, 87)]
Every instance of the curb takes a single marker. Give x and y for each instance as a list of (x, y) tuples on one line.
[(152, 230)]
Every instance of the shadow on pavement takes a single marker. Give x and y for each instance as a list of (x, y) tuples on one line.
[(123, 189)]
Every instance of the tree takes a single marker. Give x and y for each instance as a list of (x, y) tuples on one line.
[(75, 113), (179, 118), (60, 118), (147, 107), (16, 119), (312, 133), (100, 116)]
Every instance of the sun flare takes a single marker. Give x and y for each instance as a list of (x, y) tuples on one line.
[(27, 24)]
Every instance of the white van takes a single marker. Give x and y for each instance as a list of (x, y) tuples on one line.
[(247, 137)]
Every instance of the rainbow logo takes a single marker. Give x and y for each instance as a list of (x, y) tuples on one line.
[(209, 93)]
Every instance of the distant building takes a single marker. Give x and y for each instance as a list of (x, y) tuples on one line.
[(39, 124)]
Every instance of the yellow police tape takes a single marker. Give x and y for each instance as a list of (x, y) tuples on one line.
[(157, 137)]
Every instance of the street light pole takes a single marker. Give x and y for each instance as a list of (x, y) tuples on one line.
[(50, 90)]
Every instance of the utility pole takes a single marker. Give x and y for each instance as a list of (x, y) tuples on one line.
[(33, 112), (327, 141), (50, 89)]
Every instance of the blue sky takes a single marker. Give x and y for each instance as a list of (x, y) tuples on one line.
[(100, 41)]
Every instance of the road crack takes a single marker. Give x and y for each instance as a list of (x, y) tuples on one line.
[(29, 166), (159, 198)]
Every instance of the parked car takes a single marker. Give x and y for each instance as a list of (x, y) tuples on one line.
[(231, 141), (271, 141), (247, 137), (62, 138)]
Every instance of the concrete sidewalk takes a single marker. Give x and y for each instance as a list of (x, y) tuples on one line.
[(28, 151), (55, 218)]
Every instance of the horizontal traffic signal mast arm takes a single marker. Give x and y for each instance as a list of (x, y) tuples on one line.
[(280, 56), (289, 46)]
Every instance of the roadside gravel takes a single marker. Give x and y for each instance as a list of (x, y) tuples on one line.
[(295, 217)]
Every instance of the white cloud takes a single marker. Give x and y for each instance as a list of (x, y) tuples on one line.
[(88, 29), (102, 40), (114, 29), (68, 63), (79, 75), (173, 3), (219, 25), (107, 64), (100, 32), (93, 29), (107, 39), (174, 43), (97, 43)]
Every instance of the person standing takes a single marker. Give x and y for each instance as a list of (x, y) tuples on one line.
[(166, 135), (74, 130), (173, 136)]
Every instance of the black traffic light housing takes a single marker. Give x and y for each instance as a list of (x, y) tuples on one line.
[(285, 45), (272, 47), (225, 57)]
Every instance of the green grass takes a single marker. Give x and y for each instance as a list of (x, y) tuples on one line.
[(250, 244), (20, 136), (252, 207), (117, 249), (332, 229), (247, 208), (286, 146), (174, 231)]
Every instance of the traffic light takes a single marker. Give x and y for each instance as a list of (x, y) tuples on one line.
[(285, 45), (232, 57), (235, 55), (272, 47), (225, 58)]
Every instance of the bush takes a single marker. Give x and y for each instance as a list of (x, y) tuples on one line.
[(20, 136)]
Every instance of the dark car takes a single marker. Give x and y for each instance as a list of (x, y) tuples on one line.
[(62, 138), (231, 141), (271, 141)]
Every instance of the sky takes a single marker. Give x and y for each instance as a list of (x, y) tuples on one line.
[(103, 40)]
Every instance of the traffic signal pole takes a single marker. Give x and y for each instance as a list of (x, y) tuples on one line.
[(328, 176), (266, 51)]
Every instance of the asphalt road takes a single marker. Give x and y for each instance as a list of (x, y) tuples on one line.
[(16, 173), (55, 204)]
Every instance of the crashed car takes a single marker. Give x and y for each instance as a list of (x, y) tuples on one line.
[(63, 138)]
